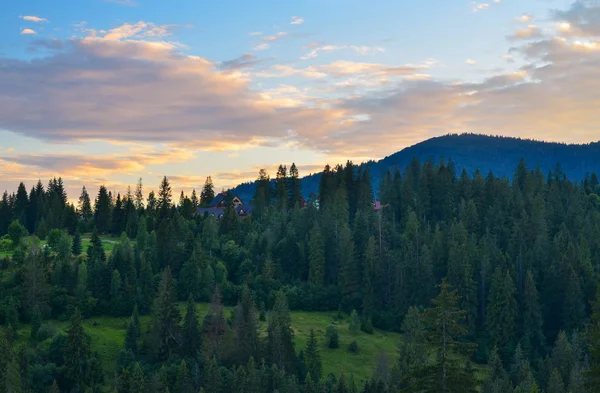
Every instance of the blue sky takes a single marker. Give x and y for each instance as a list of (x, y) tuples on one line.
[(108, 91)]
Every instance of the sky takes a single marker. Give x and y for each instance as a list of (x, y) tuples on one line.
[(110, 91)]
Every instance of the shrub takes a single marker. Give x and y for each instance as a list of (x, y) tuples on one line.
[(354, 325), (367, 326), (332, 337), (353, 347), (46, 331)]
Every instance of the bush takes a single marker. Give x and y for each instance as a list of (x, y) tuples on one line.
[(46, 331), (354, 325), (332, 337), (54, 238), (367, 326), (353, 347)]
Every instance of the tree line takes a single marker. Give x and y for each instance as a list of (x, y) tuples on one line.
[(483, 271)]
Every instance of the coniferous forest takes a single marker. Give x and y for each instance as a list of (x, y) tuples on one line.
[(492, 283)]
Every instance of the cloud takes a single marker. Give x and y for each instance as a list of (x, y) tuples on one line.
[(272, 38), (524, 18), (342, 68), (530, 32), (51, 44), (362, 50), (246, 60), (582, 19), (470, 62), (145, 91), (35, 19), (255, 33), (137, 30), (296, 20), (261, 47), (28, 32), (476, 7)]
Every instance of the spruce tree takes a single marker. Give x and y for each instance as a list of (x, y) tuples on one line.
[(208, 192), (444, 323), (76, 247), (312, 358), (13, 383), (164, 333), (36, 321), (183, 382), (502, 311), (316, 257), (190, 332), (533, 334), (138, 381), (245, 325), (78, 354), (593, 338), (280, 335)]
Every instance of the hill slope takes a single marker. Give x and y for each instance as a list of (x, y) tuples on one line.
[(472, 152)]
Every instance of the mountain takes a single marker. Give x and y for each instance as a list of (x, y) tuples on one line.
[(471, 152)]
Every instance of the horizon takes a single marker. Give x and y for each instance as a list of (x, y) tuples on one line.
[(118, 90)]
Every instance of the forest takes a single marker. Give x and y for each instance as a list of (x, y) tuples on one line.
[(492, 284)]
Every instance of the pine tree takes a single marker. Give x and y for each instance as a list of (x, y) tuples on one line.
[(183, 383), (208, 192), (593, 337), (138, 381), (190, 332), (502, 311), (281, 192), (246, 327), (280, 335), (556, 384), (84, 206), (190, 277), (215, 327), (312, 357), (133, 333), (164, 334), (102, 212), (354, 325), (444, 324), (54, 387), (36, 321), (295, 187), (76, 247), (533, 334), (316, 256), (13, 378), (165, 198), (77, 354)]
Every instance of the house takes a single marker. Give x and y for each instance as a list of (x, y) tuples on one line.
[(217, 206)]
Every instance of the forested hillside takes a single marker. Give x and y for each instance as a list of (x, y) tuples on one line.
[(492, 283), (471, 152)]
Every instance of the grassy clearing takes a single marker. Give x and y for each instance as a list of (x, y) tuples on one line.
[(108, 335)]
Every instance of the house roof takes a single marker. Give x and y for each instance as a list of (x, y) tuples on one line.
[(218, 211), (217, 199)]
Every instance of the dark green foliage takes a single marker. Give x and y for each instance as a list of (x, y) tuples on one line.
[(245, 325), (444, 323), (312, 358), (354, 324), (280, 335), (522, 256), (164, 333), (332, 337), (190, 331), (36, 322), (76, 247), (353, 347)]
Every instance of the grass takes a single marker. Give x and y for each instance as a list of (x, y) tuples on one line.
[(108, 335), (108, 242)]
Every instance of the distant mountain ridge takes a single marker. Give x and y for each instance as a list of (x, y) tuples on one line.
[(474, 151)]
